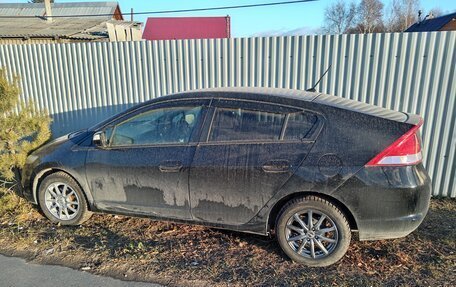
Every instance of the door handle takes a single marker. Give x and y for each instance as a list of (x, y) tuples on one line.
[(276, 166), (170, 166)]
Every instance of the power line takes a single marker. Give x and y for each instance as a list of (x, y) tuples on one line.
[(174, 11)]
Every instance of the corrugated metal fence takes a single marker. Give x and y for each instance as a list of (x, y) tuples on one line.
[(83, 83)]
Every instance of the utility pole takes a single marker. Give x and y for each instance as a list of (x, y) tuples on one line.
[(47, 7), (131, 15)]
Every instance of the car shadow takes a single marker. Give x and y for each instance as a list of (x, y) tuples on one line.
[(439, 224), (112, 241), (159, 236)]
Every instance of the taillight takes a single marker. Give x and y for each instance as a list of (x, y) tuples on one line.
[(406, 150)]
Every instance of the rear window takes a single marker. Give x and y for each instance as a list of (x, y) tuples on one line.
[(300, 126), (243, 124)]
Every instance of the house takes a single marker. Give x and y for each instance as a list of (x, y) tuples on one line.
[(26, 23), (441, 23), (178, 28)]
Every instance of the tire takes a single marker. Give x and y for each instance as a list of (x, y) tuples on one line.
[(62, 200), (335, 235)]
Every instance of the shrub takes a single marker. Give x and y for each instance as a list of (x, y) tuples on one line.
[(23, 127)]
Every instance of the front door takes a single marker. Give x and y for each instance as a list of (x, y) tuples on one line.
[(145, 166), (246, 157)]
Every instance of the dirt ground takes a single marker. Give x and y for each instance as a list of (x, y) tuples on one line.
[(183, 255)]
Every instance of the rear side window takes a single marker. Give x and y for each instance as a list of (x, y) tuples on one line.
[(300, 126), (243, 124)]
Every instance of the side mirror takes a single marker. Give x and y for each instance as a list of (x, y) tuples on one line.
[(99, 139)]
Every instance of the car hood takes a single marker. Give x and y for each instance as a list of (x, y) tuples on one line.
[(55, 143)]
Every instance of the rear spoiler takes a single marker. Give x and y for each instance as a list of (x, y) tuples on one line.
[(372, 110), (413, 119)]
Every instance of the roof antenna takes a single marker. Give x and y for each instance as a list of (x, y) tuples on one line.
[(319, 80)]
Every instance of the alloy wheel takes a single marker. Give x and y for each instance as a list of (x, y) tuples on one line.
[(62, 201), (312, 234)]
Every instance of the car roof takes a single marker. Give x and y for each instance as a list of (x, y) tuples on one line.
[(243, 92), (274, 94), (281, 96)]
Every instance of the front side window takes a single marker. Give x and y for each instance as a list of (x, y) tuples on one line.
[(245, 125), (159, 126)]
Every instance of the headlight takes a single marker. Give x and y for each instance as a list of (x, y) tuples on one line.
[(30, 159), (62, 138)]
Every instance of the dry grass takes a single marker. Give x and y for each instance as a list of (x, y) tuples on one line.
[(175, 254)]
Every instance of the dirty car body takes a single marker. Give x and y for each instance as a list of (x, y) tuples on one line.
[(234, 157)]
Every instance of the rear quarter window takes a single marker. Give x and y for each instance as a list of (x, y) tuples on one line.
[(300, 126)]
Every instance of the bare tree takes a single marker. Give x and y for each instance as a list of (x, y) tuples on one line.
[(370, 13), (402, 14), (339, 17)]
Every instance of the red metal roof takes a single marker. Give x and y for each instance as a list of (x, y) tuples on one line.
[(175, 28)]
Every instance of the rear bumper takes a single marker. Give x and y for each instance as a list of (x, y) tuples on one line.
[(387, 202), (391, 228)]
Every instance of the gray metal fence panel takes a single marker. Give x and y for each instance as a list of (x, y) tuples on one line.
[(83, 83)]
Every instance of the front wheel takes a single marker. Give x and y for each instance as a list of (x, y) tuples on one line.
[(62, 200), (312, 231)]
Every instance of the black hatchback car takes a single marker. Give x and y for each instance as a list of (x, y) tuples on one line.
[(308, 167)]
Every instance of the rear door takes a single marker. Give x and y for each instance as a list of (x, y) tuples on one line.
[(249, 150)]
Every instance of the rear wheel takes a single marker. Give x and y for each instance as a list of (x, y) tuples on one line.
[(312, 231), (62, 200)]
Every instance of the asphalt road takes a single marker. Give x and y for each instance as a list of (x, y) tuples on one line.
[(16, 272)]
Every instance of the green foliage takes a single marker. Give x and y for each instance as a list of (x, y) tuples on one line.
[(23, 128)]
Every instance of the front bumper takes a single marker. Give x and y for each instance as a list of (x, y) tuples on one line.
[(17, 187), (21, 189), (26, 176), (387, 202)]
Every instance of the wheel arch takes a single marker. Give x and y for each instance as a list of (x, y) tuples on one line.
[(42, 174), (274, 213)]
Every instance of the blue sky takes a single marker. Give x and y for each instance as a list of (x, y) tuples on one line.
[(302, 18)]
